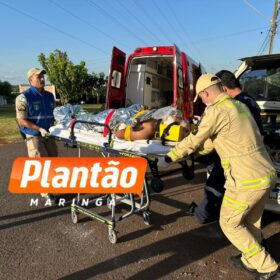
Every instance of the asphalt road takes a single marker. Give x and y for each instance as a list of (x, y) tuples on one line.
[(43, 243)]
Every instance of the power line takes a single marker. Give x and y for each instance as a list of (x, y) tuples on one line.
[(230, 34), (273, 23), (264, 48), (53, 27), (113, 18), (186, 34), (256, 10), (139, 21), (264, 44), (155, 23), (86, 22), (98, 59), (168, 21)]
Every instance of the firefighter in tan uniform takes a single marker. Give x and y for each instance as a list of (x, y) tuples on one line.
[(249, 173)]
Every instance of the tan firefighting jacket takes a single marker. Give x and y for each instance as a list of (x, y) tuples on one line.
[(236, 138)]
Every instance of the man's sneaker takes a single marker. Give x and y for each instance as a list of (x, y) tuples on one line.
[(236, 262), (274, 275), (191, 208)]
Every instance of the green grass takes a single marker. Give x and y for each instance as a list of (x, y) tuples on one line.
[(8, 127), (9, 131), (93, 108)]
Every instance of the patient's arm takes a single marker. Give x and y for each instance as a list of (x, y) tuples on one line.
[(119, 133)]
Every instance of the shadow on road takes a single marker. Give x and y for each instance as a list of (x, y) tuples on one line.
[(28, 213), (182, 249), (61, 212)]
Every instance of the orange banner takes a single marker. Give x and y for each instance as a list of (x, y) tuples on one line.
[(78, 175)]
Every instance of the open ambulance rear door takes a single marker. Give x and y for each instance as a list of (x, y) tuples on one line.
[(115, 89), (178, 77)]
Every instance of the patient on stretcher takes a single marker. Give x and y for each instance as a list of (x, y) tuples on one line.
[(142, 130), (132, 123)]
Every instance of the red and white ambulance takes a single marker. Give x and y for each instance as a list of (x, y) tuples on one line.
[(156, 77)]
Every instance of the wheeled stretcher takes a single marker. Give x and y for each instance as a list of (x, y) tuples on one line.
[(112, 147)]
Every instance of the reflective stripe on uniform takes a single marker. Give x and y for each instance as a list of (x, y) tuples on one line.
[(259, 182), (228, 104), (225, 164), (223, 99), (174, 154), (252, 251), (235, 204), (214, 191), (204, 152), (40, 117), (225, 102)]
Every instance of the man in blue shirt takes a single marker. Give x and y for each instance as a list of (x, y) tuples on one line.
[(34, 112), (34, 108), (232, 87)]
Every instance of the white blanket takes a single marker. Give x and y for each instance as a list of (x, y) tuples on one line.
[(90, 137)]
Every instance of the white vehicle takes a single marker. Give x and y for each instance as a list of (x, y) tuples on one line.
[(260, 77), (273, 203)]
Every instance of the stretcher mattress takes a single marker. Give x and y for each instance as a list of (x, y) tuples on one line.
[(90, 137)]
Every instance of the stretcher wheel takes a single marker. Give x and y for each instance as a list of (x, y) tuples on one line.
[(112, 235), (109, 205), (188, 173), (74, 217), (157, 184), (147, 218)]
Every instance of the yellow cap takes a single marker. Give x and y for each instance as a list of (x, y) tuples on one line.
[(35, 71), (205, 81)]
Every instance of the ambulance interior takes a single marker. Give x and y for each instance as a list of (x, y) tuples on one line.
[(150, 81)]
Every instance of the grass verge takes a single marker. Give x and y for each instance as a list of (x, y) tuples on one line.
[(9, 131)]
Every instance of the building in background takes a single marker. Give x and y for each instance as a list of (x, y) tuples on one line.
[(3, 100)]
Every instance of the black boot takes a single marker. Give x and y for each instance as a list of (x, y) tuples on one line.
[(236, 262), (274, 275), (191, 208)]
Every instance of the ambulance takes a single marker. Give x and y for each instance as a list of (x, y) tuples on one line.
[(156, 76)]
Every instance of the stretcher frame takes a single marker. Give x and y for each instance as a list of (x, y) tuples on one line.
[(137, 206)]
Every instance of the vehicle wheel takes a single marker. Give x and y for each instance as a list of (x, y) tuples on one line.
[(74, 217), (112, 235), (188, 173), (147, 218), (157, 184)]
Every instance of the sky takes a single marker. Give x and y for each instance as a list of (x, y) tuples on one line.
[(215, 33)]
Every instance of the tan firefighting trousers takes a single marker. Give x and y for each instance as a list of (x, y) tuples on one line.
[(240, 220), (38, 146)]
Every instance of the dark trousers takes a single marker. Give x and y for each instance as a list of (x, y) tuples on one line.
[(208, 209)]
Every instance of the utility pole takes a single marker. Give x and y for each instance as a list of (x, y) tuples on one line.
[(273, 26)]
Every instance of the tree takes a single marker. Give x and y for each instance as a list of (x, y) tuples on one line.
[(69, 79), (99, 90), (5, 89), (89, 85)]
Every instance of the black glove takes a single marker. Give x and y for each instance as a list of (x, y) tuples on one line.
[(168, 159)]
